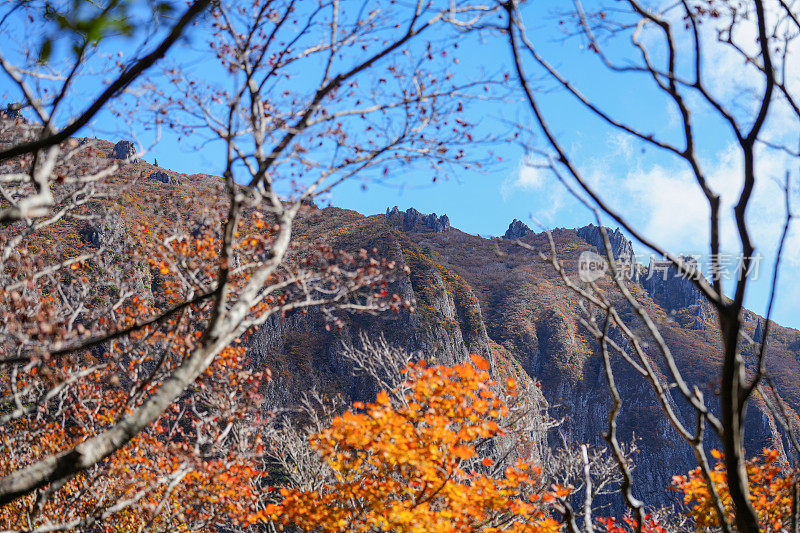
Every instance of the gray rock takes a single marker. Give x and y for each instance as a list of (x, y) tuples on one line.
[(91, 234), (13, 110), (124, 150), (621, 247), (108, 232), (758, 335), (668, 287), (163, 177), (517, 229), (413, 220)]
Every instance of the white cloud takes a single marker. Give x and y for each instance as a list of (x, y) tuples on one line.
[(527, 176), (659, 195), (531, 177)]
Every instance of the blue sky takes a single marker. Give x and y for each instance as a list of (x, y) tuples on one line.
[(654, 191)]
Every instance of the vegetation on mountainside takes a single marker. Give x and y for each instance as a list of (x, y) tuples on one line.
[(165, 479), (773, 493), (128, 397), (421, 465)]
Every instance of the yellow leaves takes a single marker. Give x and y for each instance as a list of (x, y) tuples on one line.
[(771, 492), (382, 399), (406, 467)]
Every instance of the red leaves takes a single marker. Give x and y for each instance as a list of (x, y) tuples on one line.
[(629, 525)]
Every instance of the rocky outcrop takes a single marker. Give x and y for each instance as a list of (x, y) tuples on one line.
[(303, 354), (621, 247), (163, 177), (413, 220), (758, 335), (13, 111), (109, 232), (670, 288), (124, 150), (660, 278), (91, 234), (516, 230), (445, 328)]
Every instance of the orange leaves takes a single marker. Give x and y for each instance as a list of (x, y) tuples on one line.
[(410, 464), (770, 492), (463, 452), (214, 488), (479, 362)]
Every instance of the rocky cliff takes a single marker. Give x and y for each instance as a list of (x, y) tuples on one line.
[(495, 298), (413, 220), (517, 229), (472, 295)]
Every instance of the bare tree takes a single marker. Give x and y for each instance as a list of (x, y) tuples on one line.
[(302, 117), (523, 437), (673, 48), (39, 155)]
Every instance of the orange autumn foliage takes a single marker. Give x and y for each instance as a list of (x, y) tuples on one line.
[(415, 465), (770, 493), (169, 489), (158, 482)]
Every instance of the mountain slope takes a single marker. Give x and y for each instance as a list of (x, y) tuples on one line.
[(471, 295), (491, 296)]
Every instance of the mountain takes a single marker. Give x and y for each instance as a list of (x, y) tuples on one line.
[(471, 295), (495, 298)]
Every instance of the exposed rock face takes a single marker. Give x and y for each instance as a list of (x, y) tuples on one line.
[(91, 234), (671, 289), (758, 336), (163, 177), (516, 230), (446, 327), (13, 110), (621, 247), (124, 150), (660, 278), (413, 220), (108, 232)]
